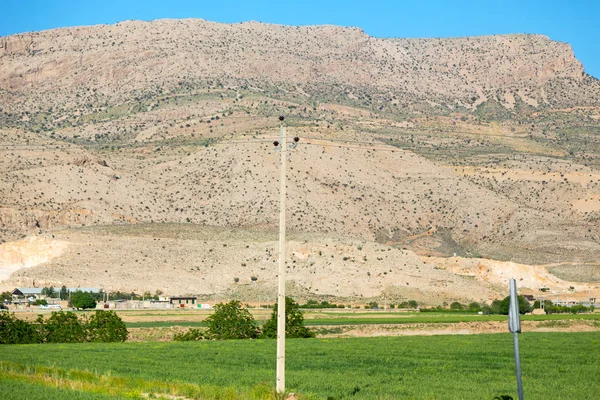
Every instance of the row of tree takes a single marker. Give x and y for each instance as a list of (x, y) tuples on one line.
[(233, 321), (64, 294), (323, 304), (497, 307), (502, 306), (63, 327), (551, 308)]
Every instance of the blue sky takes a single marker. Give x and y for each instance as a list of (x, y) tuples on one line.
[(574, 21)]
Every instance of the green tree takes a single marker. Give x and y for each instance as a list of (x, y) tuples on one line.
[(547, 303), (4, 296), (456, 306), (63, 327), (372, 305), (16, 331), (294, 322), (106, 326), (524, 306), (83, 300), (474, 307), (413, 304), (64, 293), (49, 291), (231, 321)]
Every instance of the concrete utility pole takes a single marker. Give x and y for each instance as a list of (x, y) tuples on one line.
[(280, 387)]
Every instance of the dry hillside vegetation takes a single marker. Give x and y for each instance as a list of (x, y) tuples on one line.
[(464, 148)]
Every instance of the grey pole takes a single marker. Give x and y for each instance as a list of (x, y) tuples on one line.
[(514, 325), (518, 365)]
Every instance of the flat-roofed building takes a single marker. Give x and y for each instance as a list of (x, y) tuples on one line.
[(183, 301)]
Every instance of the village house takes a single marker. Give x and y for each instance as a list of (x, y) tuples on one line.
[(182, 302)]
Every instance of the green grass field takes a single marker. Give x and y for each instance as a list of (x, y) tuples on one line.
[(384, 318), (555, 366)]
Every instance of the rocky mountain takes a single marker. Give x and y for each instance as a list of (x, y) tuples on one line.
[(469, 148)]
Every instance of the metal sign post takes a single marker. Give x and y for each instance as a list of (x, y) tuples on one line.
[(514, 326)]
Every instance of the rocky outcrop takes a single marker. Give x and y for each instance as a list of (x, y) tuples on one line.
[(17, 45), (118, 60)]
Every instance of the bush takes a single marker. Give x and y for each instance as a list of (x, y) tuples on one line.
[(63, 327), (190, 335), (106, 326), (294, 322), (17, 331), (372, 305), (231, 321), (323, 304), (550, 308)]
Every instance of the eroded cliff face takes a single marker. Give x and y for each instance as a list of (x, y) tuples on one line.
[(27, 253), (16, 45), (30, 221)]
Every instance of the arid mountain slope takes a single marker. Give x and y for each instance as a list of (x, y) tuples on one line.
[(468, 147), (113, 63)]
